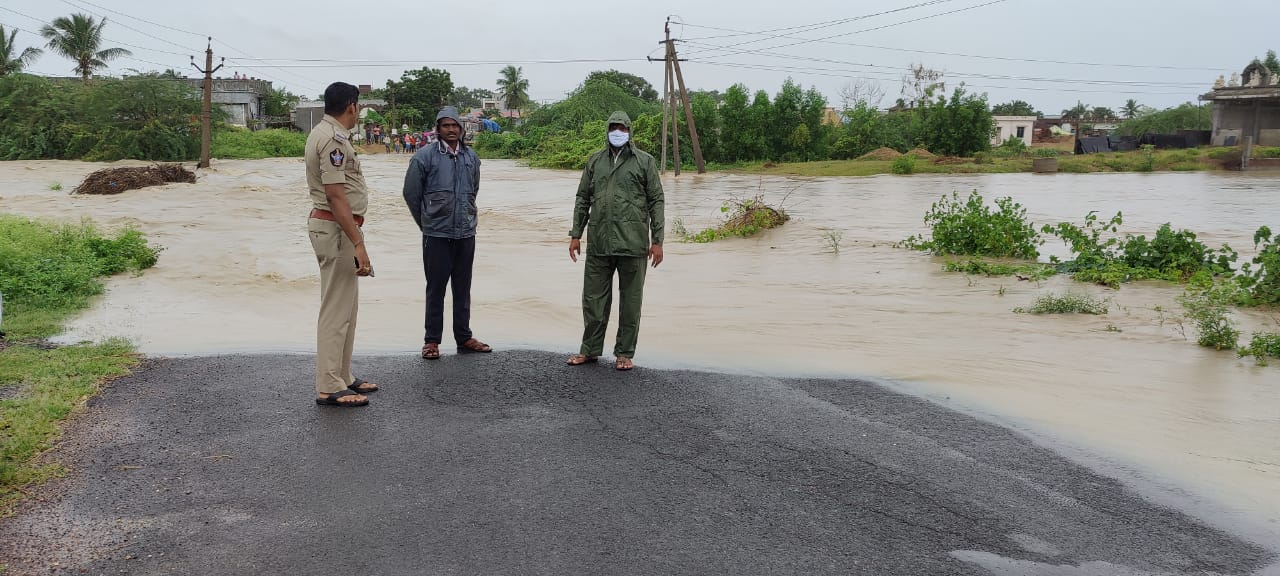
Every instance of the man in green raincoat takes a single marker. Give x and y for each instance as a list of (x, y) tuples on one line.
[(620, 206)]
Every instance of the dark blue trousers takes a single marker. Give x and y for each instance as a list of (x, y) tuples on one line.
[(448, 261)]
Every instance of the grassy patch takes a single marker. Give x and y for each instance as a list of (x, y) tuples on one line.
[(1068, 303), (47, 273), (1000, 162), (234, 143), (51, 383)]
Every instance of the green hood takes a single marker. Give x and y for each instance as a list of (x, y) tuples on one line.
[(619, 117)]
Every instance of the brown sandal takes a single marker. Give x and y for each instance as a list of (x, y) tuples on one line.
[(580, 359), (474, 345), (431, 351), (623, 364)]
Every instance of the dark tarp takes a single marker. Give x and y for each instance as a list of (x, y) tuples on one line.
[(1092, 145), (1167, 141)]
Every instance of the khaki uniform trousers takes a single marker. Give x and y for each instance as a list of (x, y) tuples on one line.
[(339, 303)]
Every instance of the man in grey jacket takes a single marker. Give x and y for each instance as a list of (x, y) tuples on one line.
[(440, 189)]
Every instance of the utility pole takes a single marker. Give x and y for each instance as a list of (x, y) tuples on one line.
[(666, 96), (688, 111), (670, 99), (206, 128)]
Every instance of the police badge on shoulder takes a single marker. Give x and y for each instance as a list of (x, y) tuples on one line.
[(337, 158)]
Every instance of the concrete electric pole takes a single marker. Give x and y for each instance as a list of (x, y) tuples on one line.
[(206, 122)]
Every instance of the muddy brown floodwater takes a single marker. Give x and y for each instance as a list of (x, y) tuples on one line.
[(1128, 391)]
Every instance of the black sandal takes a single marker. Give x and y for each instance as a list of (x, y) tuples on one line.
[(333, 400), (355, 386)]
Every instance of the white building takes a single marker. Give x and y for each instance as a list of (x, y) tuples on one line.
[(1007, 127)]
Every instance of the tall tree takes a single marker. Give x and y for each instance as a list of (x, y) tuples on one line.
[(513, 87), (1131, 108), (1015, 108), (919, 85), (10, 61), (1102, 113), (419, 93), (465, 98), (736, 121), (634, 85), (79, 38), (1272, 62), (861, 91)]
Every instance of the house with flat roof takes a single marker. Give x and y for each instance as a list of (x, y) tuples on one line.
[(1020, 127)]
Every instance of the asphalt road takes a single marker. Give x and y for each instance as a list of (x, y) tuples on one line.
[(512, 463)]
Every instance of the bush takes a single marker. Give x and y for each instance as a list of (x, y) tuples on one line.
[(1069, 303), (1262, 347), (970, 228), (1207, 308), (1261, 284), (231, 143), (1112, 260), (743, 218), (47, 265), (905, 164)]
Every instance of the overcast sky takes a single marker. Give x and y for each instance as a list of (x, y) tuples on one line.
[(1170, 50)]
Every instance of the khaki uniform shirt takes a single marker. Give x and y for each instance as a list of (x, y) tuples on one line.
[(331, 159)]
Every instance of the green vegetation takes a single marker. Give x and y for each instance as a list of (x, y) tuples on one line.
[(1208, 308), (55, 187), (239, 143), (831, 239), (743, 218), (905, 164), (1022, 270), (1262, 347), (146, 117), (1258, 281), (1068, 303), (79, 38), (11, 60), (971, 228), (48, 272), (1187, 116), (1102, 257)]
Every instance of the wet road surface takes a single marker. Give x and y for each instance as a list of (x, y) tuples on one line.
[(514, 463)]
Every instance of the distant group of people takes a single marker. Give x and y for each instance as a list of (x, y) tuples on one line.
[(618, 209), (397, 143)]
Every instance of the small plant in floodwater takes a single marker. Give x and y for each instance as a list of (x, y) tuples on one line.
[(744, 218), (56, 186), (1261, 347), (1001, 291), (678, 229), (831, 239), (969, 227), (1207, 307), (1034, 272), (1113, 328), (1069, 303)]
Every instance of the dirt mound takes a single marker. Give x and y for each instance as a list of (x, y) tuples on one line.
[(117, 180), (881, 154), (950, 160), (922, 154)]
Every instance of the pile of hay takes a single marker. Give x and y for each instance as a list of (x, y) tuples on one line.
[(922, 154), (881, 154), (751, 216), (117, 180)]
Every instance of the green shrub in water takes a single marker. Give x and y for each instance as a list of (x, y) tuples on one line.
[(971, 228)]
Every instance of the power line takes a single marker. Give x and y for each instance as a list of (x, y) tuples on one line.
[(142, 19), (104, 18), (334, 63), (885, 69), (734, 51), (812, 27), (823, 72)]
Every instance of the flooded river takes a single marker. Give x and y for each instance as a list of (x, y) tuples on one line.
[(1129, 391)]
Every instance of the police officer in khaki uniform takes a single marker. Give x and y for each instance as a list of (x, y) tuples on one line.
[(339, 199)]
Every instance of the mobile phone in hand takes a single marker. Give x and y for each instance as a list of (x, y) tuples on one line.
[(357, 261)]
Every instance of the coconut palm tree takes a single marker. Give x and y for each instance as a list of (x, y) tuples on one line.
[(9, 64), (513, 88), (1131, 108), (79, 38)]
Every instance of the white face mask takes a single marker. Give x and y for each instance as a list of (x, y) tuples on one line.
[(618, 138)]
